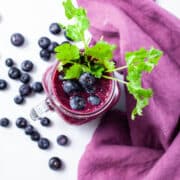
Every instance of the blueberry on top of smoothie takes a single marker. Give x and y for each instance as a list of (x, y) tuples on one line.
[(87, 80), (70, 86), (77, 102)]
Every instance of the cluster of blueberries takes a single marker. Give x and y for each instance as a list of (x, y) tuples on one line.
[(17, 39)]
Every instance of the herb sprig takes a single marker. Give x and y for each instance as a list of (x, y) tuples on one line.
[(98, 59)]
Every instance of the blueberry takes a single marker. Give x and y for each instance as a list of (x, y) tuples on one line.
[(25, 78), (37, 87), (62, 140), (29, 130), (43, 143), (94, 100), (35, 136), (25, 90), (54, 28), (19, 99), (27, 65), (17, 39), (87, 80), (4, 122), (68, 38), (90, 90), (70, 86), (61, 77), (21, 122), (52, 46), (45, 54), (55, 163), (3, 84), (14, 73), (9, 62), (45, 121), (44, 42), (77, 102)]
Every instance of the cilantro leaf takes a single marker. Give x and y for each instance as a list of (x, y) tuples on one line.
[(69, 8), (73, 72), (138, 62), (67, 53)]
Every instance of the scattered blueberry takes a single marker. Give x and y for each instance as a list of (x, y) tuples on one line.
[(17, 39), (19, 99), (62, 140), (44, 42), (9, 62), (35, 136), (25, 90), (55, 163), (21, 122), (14, 73), (4, 122), (54, 28), (43, 143), (37, 87), (52, 46), (45, 121), (29, 129), (45, 54), (87, 80), (3, 84), (70, 86), (68, 38), (77, 102), (94, 100), (27, 65), (25, 78)]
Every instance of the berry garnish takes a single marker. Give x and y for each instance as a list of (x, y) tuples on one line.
[(4, 122), (54, 28), (9, 62), (45, 54), (25, 78), (21, 122), (45, 121), (27, 65), (19, 99), (43, 143), (62, 140), (55, 163), (3, 84), (70, 86), (44, 42), (17, 39), (14, 73), (87, 80), (77, 102), (25, 90), (37, 87), (94, 100)]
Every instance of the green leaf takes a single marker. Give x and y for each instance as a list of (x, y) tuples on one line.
[(69, 8), (60, 67), (138, 62), (73, 72), (74, 32), (67, 53), (97, 70)]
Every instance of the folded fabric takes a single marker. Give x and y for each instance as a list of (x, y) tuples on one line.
[(149, 147)]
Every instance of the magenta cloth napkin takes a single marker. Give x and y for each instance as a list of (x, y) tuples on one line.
[(149, 147)]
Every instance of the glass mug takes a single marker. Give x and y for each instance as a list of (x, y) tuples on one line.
[(53, 103)]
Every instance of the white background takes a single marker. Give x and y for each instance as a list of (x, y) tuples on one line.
[(20, 158)]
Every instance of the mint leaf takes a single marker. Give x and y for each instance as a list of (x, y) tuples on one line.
[(73, 72), (69, 8), (138, 62), (67, 53)]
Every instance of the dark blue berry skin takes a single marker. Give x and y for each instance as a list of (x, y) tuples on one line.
[(70, 86), (43, 143), (25, 78), (90, 90), (55, 163), (29, 130), (77, 102), (3, 84), (9, 62), (45, 54), (17, 39), (62, 140), (45, 121), (94, 100), (21, 122), (27, 66), (52, 46), (35, 136), (87, 80), (14, 73), (44, 42), (37, 87), (19, 99), (4, 122), (68, 38), (25, 90), (54, 28)]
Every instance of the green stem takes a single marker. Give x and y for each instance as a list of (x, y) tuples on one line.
[(115, 79), (118, 69)]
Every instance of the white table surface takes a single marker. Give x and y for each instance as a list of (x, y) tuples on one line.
[(20, 158)]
